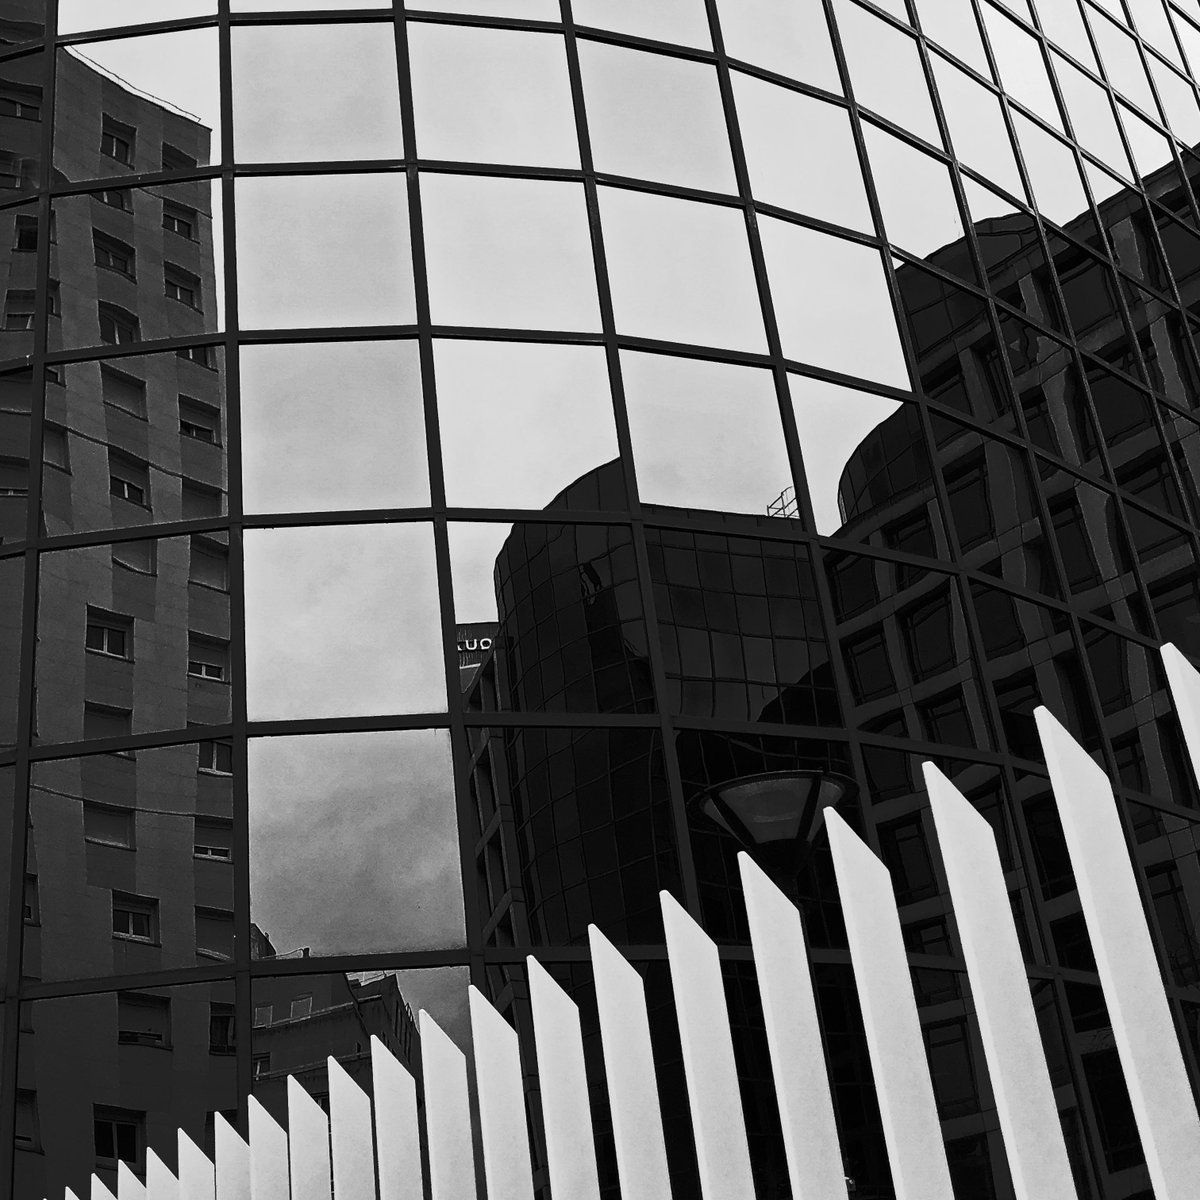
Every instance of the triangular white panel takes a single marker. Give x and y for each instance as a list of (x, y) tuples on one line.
[(566, 1111), (629, 1070), (794, 1037), (502, 1124), (1185, 696), (397, 1137), (100, 1190), (1033, 1140), (353, 1145), (906, 1102), (718, 1123), (129, 1186), (160, 1183), (1129, 973), (268, 1156), (308, 1145), (197, 1179), (447, 1114), (233, 1162)]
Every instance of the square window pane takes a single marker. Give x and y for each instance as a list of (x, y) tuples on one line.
[(834, 424), (165, 90), (683, 22), (846, 324), (519, 421), (492, 95), (787, 38), (342, 620), (783, 133), (885, 68), (354, 842), (705, 435), (508, 252), (916, 196), (1020, 65), (652, 116), (953, 26), (680, 270), (80, 16), (309, 92), (1053, 172), (324, 250), (312, 443)]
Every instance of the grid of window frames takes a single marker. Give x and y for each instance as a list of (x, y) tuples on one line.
[(472, 434)]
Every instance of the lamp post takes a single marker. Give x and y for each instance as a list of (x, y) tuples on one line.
[(775, 815)]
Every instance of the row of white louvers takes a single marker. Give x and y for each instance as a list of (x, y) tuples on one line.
[(371, 1151)]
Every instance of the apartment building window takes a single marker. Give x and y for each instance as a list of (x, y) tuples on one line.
[(906, 854), (209, 564), (208, 658), (221, 1028), (213, 840), (118, 325), (263, 1015), (129, 480), (181, 285), (24, 103), (18, 311), (120, 1135), (301, 1008), (139, 555), (179, 220), (109, 633), (951, 1069), (174, 159), (14, 477), (870, 667), (113, 255), (143, 1020), (199, 500), (26, 238), (216, 758), (54, 447), (117, 140), (214, 933), (107, 826), (120, 198), (134, 918), (103, 721), (199, 421), (927, 637), (968, 492), (123, 391), (31, 911), (204, 356), (54, 299), (262, 1065), (27, 1133)]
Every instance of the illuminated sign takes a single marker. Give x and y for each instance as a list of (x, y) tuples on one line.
[(474, 642)]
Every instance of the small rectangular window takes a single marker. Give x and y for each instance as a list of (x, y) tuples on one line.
[(181, 285), (140, 555), (18, 311), (174, 159), (30, 908), (262, 1064), (199, 421), (263, 1014), (120, 1135), (25, 103), (221, 1030), (54, 447), (129, 480), (214, 933), (117, 140), (26, 234), (118, 325), (134, 918), (116, 198), (301, 1008), (14, 477), (213, 840), (123, 391), (109, 633), (210, 564), (216, 758), (208, 658), (27, 1134), (198, 500), (101, 721), (179, 220), (143, 1020), (113, 255), (108, 826), (204, 356)]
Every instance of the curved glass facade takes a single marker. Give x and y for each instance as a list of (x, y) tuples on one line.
[(500, 457)]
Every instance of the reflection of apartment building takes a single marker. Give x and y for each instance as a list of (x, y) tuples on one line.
[(1058, 511)]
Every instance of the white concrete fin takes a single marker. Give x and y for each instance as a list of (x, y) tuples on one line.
[(718, 1123), (350, 1128), (233, 1162), (1185, 696), (268, 1156), (447, 1114), (100, 1190), (794, 1038), (197, 1178), (69, 1195), (505, 1132), (129, 1186), (629, 1069), (566, 1111), (397, 1135), (308, 1145), (1033, 1141), (906, 1102), (1129, 973), (160, 1183)]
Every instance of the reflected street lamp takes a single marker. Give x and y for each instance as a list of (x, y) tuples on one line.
[(775, 815)]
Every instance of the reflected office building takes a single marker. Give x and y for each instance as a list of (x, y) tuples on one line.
[(463, 473)]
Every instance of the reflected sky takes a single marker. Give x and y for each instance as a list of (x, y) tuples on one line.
[(354, 843)]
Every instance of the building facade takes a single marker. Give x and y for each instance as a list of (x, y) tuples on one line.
[(786, 392)]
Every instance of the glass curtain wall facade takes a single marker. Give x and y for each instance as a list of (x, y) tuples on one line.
[(468, 467)]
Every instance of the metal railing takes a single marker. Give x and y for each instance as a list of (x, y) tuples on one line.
[(371, 1149)]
